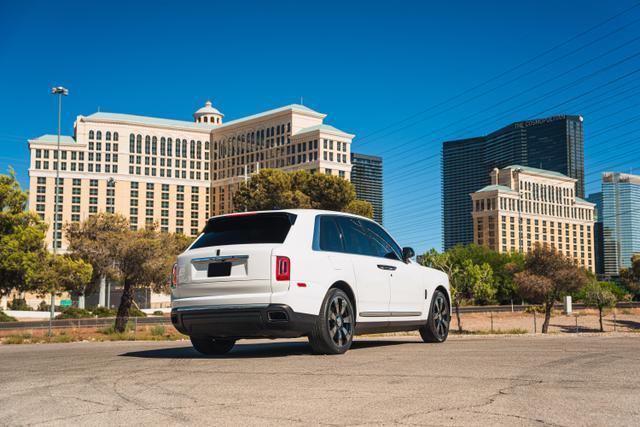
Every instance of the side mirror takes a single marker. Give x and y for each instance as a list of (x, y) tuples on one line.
[(407, 253)]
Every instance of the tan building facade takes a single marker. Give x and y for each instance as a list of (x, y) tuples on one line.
[(173, 173), (288, 138), (524, 206)]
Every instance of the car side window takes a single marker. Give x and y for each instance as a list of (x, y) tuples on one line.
[(330, 236), (354, 236), (392, 250), (359, 240)]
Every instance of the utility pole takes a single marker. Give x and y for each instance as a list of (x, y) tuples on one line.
[(60, 91)]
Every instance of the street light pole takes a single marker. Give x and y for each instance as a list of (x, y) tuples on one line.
[(60, 91)]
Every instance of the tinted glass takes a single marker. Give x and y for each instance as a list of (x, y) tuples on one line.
[(330, 239), (392, 250), (243, 229), (355, 237)]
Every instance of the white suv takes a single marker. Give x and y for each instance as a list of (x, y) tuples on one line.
[(291, 273)]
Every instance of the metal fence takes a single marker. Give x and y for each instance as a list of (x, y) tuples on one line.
[(95, 322)]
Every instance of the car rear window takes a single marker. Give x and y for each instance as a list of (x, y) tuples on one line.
[(245, 229)]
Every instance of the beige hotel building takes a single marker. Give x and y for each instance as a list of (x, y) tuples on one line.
[(174, 173), (524, 206)]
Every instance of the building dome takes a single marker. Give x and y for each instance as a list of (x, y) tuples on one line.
[(208, 114)]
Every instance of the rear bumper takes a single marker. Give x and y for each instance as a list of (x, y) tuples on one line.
[(251, 321)]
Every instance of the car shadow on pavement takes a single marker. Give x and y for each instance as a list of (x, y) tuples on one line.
[(262, 350)]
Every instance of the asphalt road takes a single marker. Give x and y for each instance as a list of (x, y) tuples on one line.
[(524, 380)]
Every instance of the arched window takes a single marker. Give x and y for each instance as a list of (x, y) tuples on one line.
[(154, 145), (177, 147), (206, 145), (139, 143), (115, 136), (184, 148), (91, 134), (147, 144), (163, 146), (98, 135), (205, 119), (199, 151), (132, 143), (107, 136), (192, 149), (168, 146)]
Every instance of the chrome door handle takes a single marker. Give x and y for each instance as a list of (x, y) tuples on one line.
[(386, 267)]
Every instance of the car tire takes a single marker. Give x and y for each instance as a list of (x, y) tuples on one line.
[(335, 326), (436, 330), (211, 346)]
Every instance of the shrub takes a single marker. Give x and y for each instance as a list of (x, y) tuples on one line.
[(104, 312), (16, 338), (536, 308), (158, 313), (107, 330), (136, 312), (73, 313), (158, 331), (19, 304), (4, 317)]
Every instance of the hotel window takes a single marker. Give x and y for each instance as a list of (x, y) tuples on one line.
[(91, 134), (98, 135), (107, 136)]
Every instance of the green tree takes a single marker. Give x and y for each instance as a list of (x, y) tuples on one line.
[(141, 258), (502, 266), (59, 273), (21, 237), (275, 189), (92, 241), (547, 277), (467, 280), (359, 207), (267, 190), (630, 277), (597, 294), (477, 282)]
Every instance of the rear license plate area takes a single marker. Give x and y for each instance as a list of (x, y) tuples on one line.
[(219, 269)]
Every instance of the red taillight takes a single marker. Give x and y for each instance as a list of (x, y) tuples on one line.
[(283, 268), (174, 276)]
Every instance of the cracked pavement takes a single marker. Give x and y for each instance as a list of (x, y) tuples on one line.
[(499, 380)]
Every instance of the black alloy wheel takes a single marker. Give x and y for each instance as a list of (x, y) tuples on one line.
[(437, 327), (335, 326)]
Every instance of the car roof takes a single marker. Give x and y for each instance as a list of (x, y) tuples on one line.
[(301, 212)]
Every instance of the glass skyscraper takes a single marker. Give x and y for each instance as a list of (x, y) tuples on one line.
[(554, 143), (366, 177), (620, 219)]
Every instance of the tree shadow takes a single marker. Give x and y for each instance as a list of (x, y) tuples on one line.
[(572, 329), (252, 351), (631, 324)]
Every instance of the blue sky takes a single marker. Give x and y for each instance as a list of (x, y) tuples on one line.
[(371, 66)]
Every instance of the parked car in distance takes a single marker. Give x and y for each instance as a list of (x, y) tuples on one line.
[(291, 273)]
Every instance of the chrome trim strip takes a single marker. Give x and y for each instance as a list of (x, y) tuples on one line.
[(390, 313), (375, 313), (220, 258), (221, 307)]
